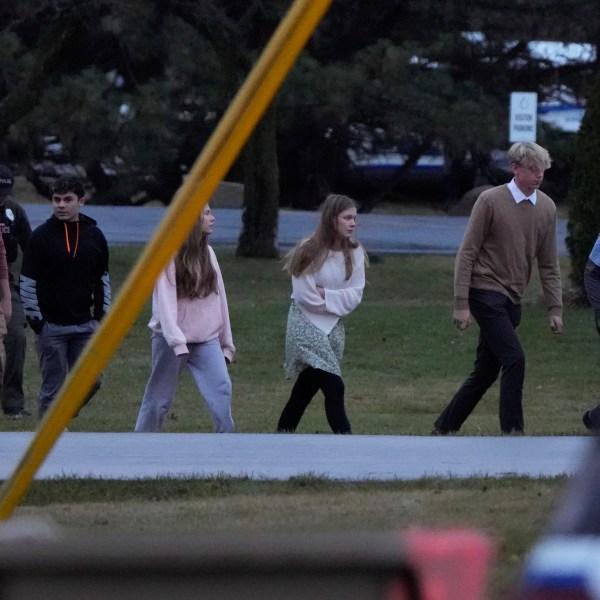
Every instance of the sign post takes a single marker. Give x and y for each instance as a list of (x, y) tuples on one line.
[(523, 117)]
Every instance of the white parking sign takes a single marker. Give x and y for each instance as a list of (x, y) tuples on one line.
[(523, 117)]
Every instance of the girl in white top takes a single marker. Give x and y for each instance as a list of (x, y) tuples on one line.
[(191, 328), (328, 278)]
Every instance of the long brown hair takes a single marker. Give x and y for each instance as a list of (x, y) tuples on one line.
[(310, 254), (195, 275)]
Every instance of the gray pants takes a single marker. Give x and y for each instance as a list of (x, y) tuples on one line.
[(209, 370), (58, 348), (13, 398)]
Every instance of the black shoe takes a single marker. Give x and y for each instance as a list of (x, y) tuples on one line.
[(587, 421)]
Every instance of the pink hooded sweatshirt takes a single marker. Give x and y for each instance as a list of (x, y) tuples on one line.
[(191, 320)]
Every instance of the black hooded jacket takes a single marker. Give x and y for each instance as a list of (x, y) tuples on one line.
[(64, 275)]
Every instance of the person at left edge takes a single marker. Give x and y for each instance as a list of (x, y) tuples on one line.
[(65, 287), (16, 231), (5, 304)]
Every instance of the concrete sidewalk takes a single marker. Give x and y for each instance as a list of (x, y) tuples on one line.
[(273, 456)]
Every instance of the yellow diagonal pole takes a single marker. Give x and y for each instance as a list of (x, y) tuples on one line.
[(209, 169)]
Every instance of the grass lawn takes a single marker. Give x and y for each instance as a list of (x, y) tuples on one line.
[(403, 362), (512, 510)]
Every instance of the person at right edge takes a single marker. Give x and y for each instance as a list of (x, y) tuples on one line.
[(510, 227), (591, 282)]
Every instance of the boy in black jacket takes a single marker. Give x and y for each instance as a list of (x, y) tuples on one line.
[(65, 288)]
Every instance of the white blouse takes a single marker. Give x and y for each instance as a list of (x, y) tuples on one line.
[(341, 296)]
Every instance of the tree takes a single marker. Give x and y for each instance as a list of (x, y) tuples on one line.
[(408, 69), (238, 30), (584, 213), (25, 78), (393, 68)]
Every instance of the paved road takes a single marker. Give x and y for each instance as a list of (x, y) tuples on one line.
[(379, 233), (278, 457)]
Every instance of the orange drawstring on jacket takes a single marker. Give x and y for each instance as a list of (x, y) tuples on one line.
[(76, 239)]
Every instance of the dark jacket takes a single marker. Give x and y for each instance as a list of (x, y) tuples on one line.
[(15, 229), (64, 275), (591, 281)]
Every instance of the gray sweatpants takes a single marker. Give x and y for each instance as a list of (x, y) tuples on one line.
[(209, 370)]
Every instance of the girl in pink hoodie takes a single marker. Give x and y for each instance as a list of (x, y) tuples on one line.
[(190, 328)]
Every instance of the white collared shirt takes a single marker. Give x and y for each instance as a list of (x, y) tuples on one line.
[(518, 195)]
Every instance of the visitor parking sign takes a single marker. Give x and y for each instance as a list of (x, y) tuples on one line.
[(523, 117)]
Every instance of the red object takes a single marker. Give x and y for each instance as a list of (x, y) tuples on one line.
[(451, 564)]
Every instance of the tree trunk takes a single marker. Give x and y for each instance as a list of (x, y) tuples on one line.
[(261, 191)]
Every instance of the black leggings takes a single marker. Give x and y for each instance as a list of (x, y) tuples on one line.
[(309, 382)]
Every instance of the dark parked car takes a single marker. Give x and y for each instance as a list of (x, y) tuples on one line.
[(116, 182), (54, 163)]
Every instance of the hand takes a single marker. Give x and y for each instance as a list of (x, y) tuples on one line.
[(6, 299), (321, 291), (462, 318), (556, 324)]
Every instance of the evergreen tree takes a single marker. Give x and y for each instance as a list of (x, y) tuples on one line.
[(385, 68), (584, 198)]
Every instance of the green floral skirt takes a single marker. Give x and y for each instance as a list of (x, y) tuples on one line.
[(308, 346)]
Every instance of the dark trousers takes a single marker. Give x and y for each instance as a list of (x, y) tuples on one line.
[(594, 417), (499, 348), (594, 413), (309, 382), (13, 398), (58, 348)]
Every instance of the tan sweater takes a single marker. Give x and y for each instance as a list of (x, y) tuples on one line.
[(500, 244)]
